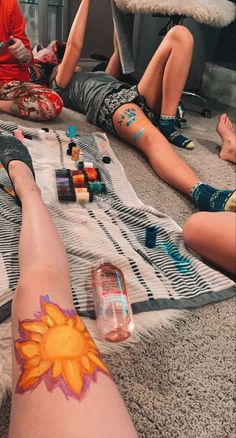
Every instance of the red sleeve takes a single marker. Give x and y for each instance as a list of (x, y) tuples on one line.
[(17, 24)]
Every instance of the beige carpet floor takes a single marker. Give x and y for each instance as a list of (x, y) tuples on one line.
[(177, 383)]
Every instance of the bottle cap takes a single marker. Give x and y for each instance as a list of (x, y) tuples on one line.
[(41, 134), (72, 131), (104, 189), (11, 41), (106, 159), (18, 134), (151, 235), (62, 173), (102, 261)]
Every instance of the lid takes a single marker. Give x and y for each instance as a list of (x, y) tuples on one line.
[(106, 159), (102, 261)]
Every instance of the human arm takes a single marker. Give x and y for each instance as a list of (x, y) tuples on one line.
[(114, 66), (74, 45)]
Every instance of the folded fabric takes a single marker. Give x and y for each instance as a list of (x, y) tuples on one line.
[(52, 54), (124, 26)]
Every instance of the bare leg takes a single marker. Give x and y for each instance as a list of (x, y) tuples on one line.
[(114, 66), (132, 125), (167, 72), (41, 407), (213, 236), (164, 161), (225, 131), (6, 106)]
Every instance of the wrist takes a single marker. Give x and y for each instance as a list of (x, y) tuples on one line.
[(25, 59)]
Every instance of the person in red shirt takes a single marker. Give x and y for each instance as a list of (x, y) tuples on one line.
[(18, 96)]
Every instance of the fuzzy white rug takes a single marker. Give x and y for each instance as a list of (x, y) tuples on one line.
[(218, 13), (146, 325)]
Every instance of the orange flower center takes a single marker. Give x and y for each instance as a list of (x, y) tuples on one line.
[(63, 342)]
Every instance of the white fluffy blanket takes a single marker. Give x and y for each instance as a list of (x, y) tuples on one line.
[(218, 13)]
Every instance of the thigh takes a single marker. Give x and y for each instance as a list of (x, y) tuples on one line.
[(131, 124), (154, 74), (12, 90), (213, 235)]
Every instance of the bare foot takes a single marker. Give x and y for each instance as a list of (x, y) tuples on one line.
[(225, 130), (22, 178)]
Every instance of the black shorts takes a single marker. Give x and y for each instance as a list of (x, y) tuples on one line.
[(115, 100)]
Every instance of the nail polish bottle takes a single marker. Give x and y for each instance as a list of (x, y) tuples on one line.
[(113, 310)]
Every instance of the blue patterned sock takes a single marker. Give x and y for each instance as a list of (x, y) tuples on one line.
[(207, 198), (167, 128)]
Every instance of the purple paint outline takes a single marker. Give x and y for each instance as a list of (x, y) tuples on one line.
[(50, 382)]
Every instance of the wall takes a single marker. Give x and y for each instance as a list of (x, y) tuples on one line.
[(99, 36)]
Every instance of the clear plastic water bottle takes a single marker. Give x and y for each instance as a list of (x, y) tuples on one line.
[(113, 310)]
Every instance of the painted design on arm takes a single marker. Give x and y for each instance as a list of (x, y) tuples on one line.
[(130, 114), (56, 347)]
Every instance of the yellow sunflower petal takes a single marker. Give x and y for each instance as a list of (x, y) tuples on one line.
[(37, 327), (79, 324), (28, 349), (30, 376), (48, 320), (88, 365), (33, 362), (57, 369), (25, 382), (55, 313), (72, 375), (92, 345), (36, 337), (98, 362)]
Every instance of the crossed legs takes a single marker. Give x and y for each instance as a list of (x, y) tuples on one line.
[(29, 101)]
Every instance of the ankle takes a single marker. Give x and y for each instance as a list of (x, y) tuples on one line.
[(18, 169), (22, 178)]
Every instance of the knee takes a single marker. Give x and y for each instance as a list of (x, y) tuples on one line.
[(41, 276), (48, 105), (192, 228), (51, 106), (181, 35)]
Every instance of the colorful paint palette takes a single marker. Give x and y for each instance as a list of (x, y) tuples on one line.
[(79, 185)]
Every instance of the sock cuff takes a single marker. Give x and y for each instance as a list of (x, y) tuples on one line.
[(207, 198), (195, 187), (164, 117)]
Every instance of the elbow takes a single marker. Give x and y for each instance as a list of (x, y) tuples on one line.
[(74, 46)]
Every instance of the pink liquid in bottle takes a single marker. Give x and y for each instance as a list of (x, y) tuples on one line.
[(113, 310)]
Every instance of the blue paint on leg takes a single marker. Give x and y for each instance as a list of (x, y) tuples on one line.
[(140, 133)]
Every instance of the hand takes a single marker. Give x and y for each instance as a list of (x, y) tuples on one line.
[(18, 50)]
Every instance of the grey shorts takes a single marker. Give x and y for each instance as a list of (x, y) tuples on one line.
[(115, 100)]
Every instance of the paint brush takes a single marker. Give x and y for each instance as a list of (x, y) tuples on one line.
[(154, 265)]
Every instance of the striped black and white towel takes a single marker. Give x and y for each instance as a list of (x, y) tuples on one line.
[(113, 227)]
